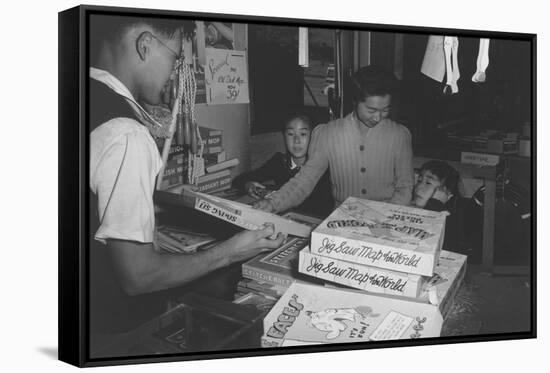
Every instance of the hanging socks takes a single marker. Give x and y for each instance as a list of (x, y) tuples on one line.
[(456, 71), (482, 61), (450, 46)]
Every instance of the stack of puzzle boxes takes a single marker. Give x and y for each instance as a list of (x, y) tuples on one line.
[(385, 249), (386, 278)]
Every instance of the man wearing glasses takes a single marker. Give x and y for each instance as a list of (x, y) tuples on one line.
[(132, 60), (369, 155)]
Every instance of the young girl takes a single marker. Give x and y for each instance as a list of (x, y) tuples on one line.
[(282, 167)]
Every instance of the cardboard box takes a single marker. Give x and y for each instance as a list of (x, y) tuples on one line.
[(311, 314), (359, 276), (383, 235), (242, 215), (214, 181), (440, 289), (479, 159), (279, 267)]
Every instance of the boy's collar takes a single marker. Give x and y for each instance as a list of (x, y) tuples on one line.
[(119, 88)]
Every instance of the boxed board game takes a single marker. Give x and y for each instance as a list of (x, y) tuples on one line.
[(360, 276), (440, 289), (312, 314), (242, 215), (280, 267), (383, 235)]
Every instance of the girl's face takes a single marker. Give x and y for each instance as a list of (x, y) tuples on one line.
[(297, 135)]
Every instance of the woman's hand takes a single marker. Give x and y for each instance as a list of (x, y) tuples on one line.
[(265, 205)]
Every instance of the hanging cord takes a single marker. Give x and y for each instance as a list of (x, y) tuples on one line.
[(176, 108), (192, 134)]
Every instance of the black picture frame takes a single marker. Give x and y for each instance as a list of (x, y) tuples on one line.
[(74, 208)]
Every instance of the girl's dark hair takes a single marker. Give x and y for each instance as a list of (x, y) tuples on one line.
[(445, 173), (372, 80), (304, 118)]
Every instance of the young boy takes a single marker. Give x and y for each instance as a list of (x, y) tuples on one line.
[(436, 189), (132, 61), (282, 167)]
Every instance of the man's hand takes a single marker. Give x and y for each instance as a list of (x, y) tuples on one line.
[(265, 205), (247, 244)]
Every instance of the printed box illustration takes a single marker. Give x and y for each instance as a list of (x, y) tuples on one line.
[(383, 235), (311, 314)]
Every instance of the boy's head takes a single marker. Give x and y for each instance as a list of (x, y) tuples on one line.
[(438, 176), (297, 133), (140, 52), (373, 88)]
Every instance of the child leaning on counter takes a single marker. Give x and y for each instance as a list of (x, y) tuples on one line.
[(436, 189)]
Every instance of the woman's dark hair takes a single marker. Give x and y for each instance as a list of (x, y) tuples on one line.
[(445, 173), (372, 80)]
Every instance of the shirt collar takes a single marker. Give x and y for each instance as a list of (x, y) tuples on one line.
[(293, 164), (119, 88)]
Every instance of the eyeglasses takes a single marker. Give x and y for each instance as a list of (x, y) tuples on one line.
[(176, 55)]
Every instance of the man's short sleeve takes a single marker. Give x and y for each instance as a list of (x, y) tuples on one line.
[(124, 163)]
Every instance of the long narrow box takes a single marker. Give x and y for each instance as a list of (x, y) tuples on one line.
[(242, 215), (383, 235), (360, 276), (311, 314)]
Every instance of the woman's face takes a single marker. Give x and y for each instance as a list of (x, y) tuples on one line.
[(297, 135), (373, 109)]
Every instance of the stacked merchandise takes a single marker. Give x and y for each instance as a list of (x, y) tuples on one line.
[(391, 254), (218, 176), (176, 167), (269, 275)]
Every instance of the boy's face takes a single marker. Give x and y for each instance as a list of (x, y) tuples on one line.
[(373, 109), (160, 65), (297, 135), (426, 184)]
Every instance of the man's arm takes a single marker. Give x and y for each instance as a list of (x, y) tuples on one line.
[(141, 269), (296, 190), (403, 170)]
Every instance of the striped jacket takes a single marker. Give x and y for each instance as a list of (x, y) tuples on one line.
[(371, 163)]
